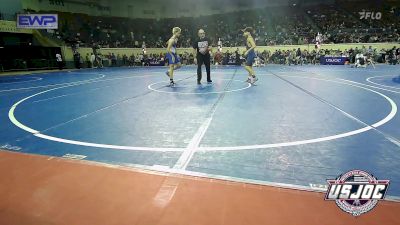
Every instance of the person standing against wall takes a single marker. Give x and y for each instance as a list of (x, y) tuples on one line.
[(59, 61)]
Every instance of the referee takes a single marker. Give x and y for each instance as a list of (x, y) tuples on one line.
[(202, 48)]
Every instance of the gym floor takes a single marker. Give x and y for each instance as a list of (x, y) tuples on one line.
[(295, 128)]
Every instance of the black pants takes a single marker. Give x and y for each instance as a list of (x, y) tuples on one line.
[(200, 60), (60, 65)]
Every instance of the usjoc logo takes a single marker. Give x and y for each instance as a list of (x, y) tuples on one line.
[(334, 60), (37, 21), (356, 192)]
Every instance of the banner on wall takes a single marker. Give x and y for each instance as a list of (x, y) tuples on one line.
[(333, 60), (37, 21)]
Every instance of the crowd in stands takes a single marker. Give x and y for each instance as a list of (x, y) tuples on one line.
[(279, 56), (297, 25), (340, 23), (117, 60)]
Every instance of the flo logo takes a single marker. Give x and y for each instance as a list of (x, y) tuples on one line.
[(364, 15), (356, 192)]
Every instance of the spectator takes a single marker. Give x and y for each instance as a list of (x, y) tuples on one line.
[(92, 60), (59, 61)]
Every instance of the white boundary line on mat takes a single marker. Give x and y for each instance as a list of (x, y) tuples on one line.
[(228, 148), (381, 85)]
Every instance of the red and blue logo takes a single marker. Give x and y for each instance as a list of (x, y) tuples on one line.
[(356, 192)]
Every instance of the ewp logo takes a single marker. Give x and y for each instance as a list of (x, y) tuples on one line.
[(37, 21)]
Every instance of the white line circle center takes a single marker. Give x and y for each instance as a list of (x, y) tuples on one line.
[(197, 93)]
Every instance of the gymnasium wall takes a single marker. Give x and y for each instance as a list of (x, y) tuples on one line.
[(138, 8), (155, 9), (98, 8), (11, 27), (188, 8), (10, 7)]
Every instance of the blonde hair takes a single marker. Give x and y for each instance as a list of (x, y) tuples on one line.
[(176, 30), (248, 29)]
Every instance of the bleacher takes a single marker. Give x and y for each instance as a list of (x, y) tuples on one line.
[(282, 25)]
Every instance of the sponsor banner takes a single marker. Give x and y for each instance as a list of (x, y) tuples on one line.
[(37, 21), (333, 60)]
